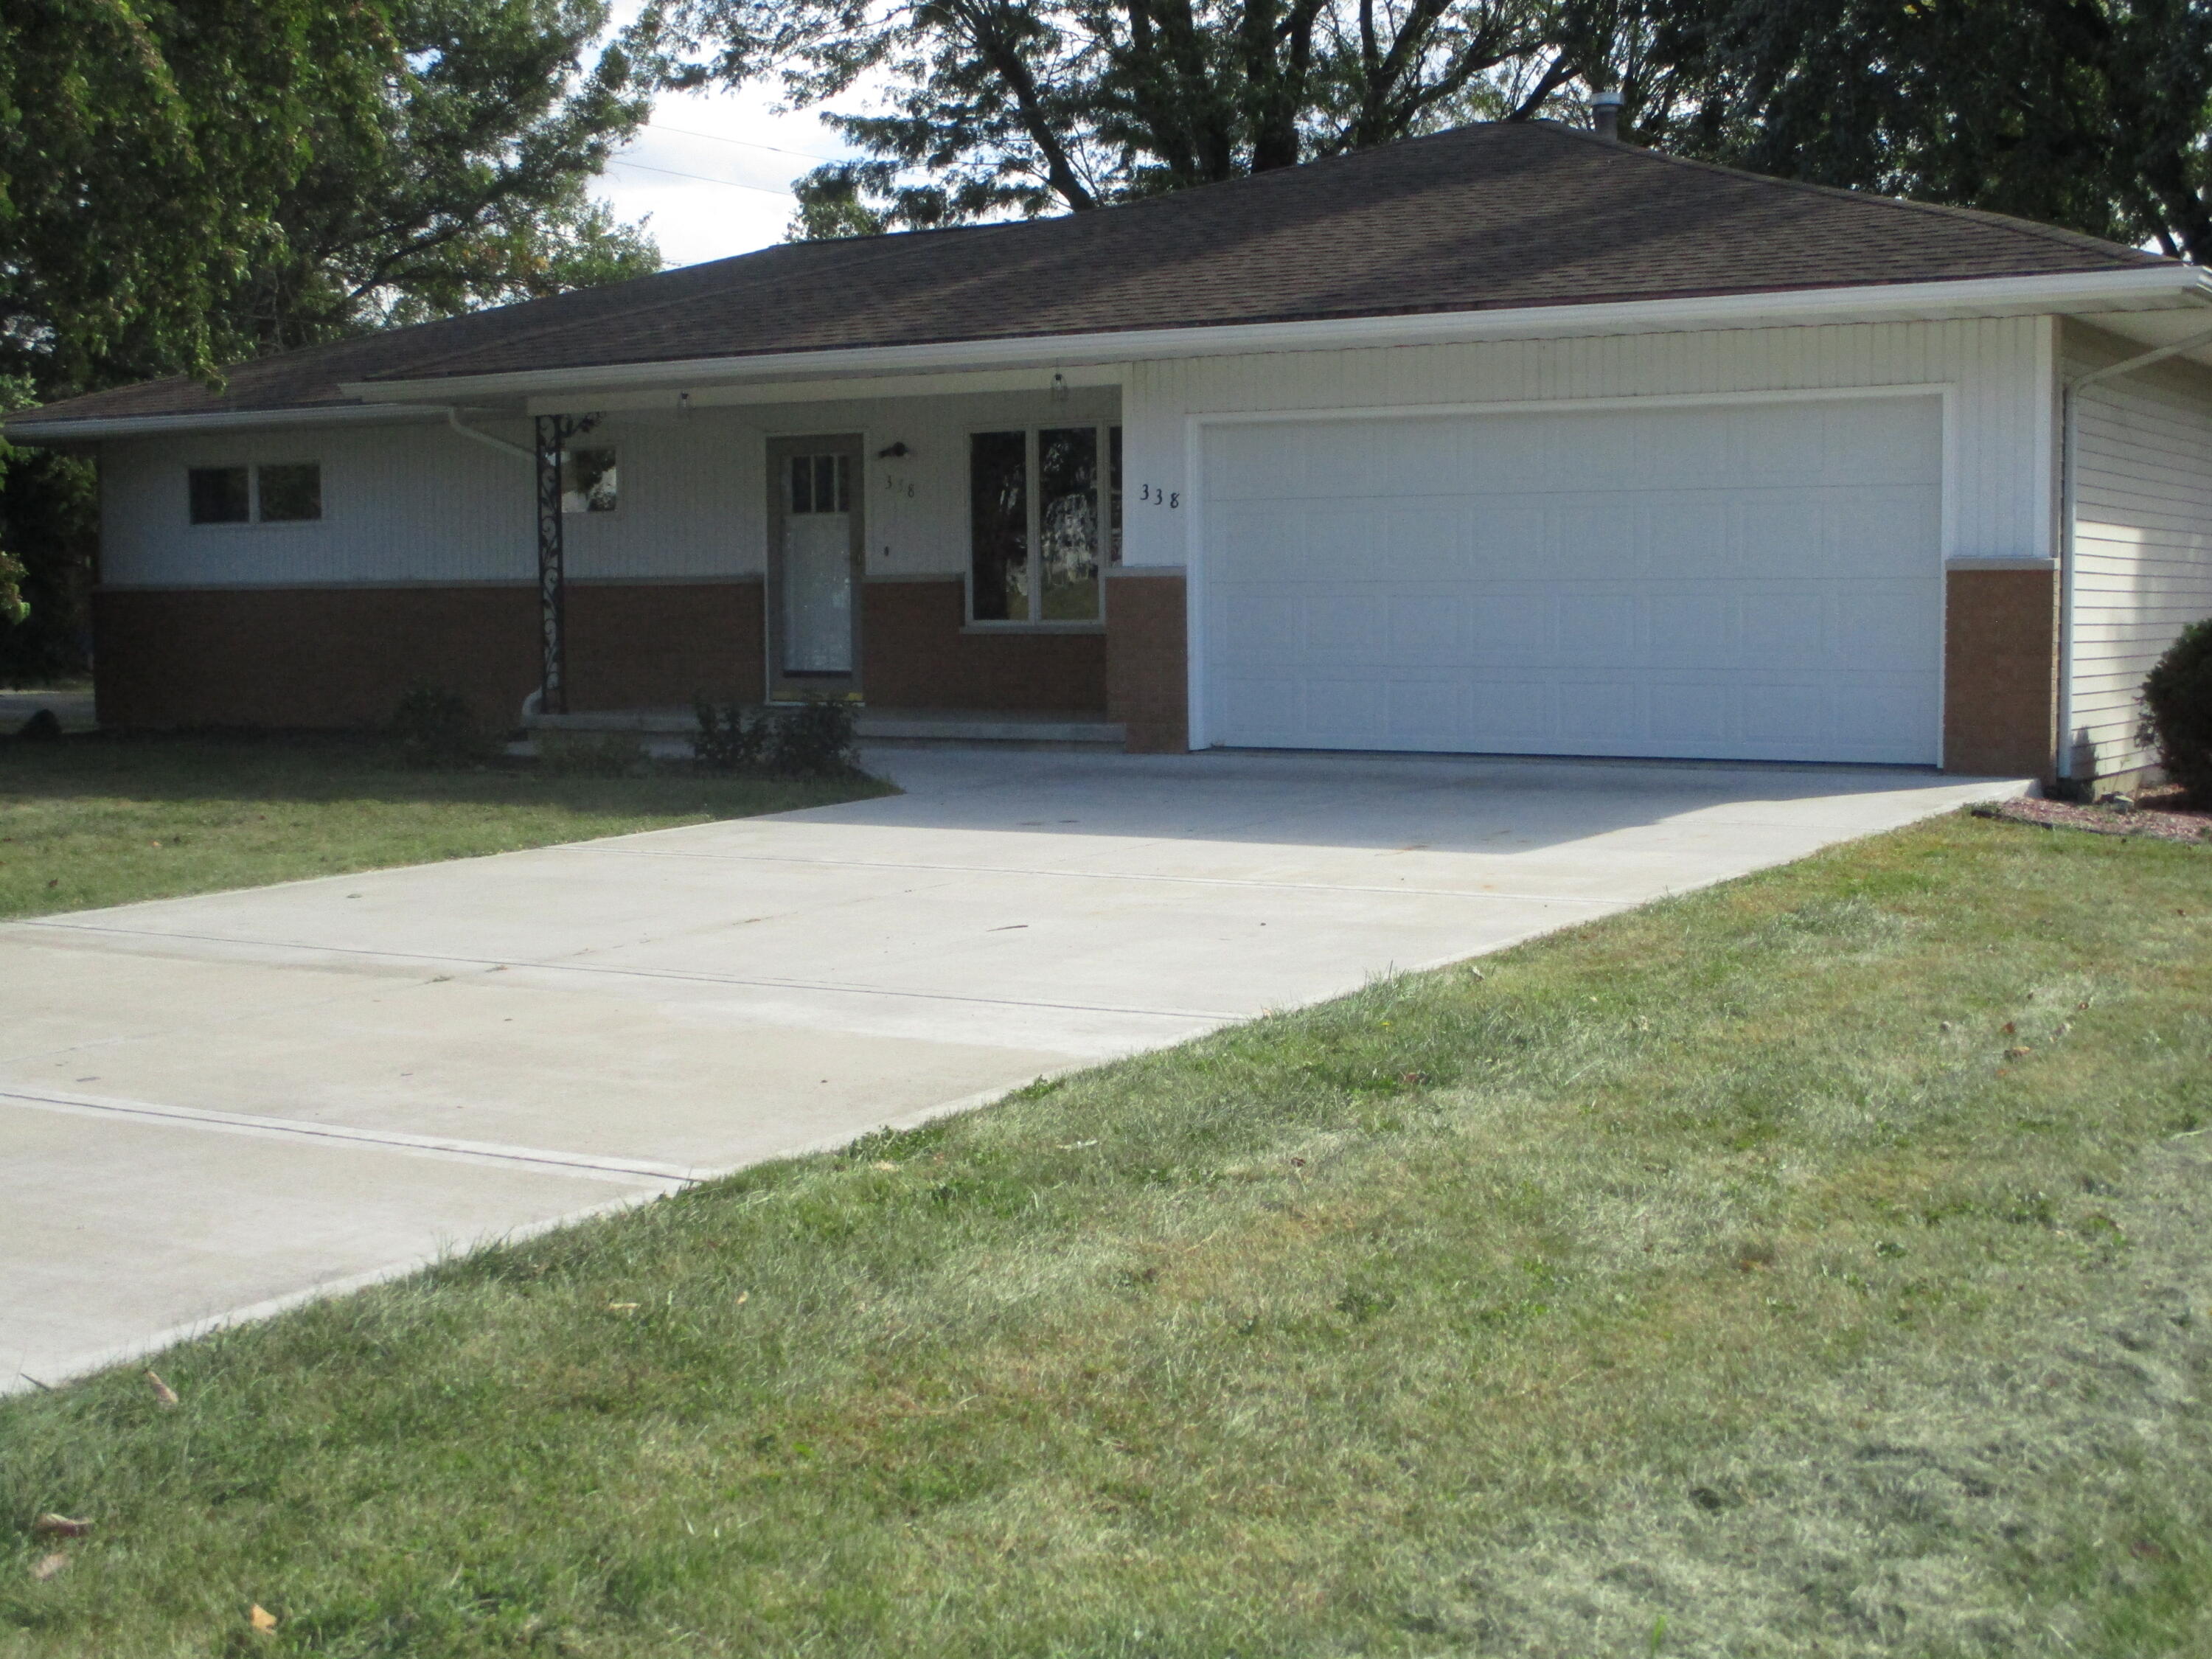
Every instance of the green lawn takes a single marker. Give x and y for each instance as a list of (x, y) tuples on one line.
[(1812, 1265), (91, 820)]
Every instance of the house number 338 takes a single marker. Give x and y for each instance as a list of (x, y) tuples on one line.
[(1170, 499)]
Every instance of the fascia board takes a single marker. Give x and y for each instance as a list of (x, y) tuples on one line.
[(2151, 288), (29, 428)]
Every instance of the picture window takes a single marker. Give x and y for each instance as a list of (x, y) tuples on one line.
[(1044, 508)]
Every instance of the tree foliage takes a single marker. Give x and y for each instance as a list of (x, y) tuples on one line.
[(2089, 113), (1029, 106), (188, 182), (2094, 114)]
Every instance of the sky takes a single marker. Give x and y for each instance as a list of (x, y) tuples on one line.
[(714, 169)]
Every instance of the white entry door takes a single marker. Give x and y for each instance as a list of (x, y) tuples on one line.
[(815, 567), (1753, 580)]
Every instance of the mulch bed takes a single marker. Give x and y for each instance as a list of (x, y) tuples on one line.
[(2161, 814)]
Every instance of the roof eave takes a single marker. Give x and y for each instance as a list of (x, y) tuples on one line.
[(29, 428), (2151, 287)]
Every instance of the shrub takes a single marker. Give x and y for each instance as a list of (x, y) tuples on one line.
[(815, 740), (435, 726), (2178, 711), (730, 739), (812, 740)]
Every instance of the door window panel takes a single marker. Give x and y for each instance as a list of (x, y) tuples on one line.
[(998, 495)]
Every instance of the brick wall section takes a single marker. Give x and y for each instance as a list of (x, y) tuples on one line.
[(656, 645), (1147, 672), (304, 657), (2001, 673), (914, 654)]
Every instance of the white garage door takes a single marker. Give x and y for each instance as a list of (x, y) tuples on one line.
[(1747, 581)]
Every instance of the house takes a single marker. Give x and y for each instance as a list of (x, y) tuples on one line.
[(1511, 438)]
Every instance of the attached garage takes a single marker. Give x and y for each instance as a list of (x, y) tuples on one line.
[(1746, 580)]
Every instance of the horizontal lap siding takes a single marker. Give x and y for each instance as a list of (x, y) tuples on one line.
[(2143, 539), (419, 503)]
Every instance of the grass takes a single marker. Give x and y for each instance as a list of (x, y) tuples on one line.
[(1812, 1266), (103, 820)]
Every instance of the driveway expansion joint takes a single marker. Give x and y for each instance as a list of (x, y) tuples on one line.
[(587, 1165)]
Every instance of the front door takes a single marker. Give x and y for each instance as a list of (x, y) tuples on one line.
[(815, 540)]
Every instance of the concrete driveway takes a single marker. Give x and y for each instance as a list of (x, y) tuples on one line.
[(209, 1107)]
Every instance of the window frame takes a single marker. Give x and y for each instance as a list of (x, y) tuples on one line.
[(588, 511), (1033, 531), (254, 521)]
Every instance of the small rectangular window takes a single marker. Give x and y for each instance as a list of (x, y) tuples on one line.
[(292, 493), (220, 495), (588, 481)]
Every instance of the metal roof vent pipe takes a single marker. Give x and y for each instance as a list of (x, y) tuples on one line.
[(1605, 115)]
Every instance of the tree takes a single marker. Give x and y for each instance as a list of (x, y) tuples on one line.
[(1035, 106), (467, 186), (2093, 114), (188, 182)]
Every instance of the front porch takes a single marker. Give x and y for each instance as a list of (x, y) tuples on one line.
[(952, 562)]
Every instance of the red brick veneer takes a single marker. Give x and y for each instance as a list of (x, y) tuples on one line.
[(328, 657), (640, 645), (2001, 673), (1147, 674), (916, 654)]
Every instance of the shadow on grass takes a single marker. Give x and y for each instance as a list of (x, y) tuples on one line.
[(325, 767)]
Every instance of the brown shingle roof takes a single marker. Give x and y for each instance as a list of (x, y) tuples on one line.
[(1482, 218)]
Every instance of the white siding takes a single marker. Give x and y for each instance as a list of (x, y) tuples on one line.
[(400, 504), (2142, 539), (421, 504), (2000, 502)]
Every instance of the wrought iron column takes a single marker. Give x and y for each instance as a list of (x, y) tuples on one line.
[(553, 431)]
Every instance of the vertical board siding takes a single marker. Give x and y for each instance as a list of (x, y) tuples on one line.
[(407, 504), (2142, 549), (1998, 367)]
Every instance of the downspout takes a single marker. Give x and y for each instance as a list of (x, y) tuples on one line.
[(2068, 446), (453, 420)]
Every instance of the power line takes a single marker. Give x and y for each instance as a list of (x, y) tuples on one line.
[(728, 184), (750, 143)]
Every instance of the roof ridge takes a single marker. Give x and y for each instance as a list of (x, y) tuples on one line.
[(2057, 233)]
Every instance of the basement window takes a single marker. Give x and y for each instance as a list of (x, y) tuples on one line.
[(1044, 512), (590, 482)]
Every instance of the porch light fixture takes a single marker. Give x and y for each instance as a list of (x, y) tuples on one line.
[(1059, 387), (894, 452)]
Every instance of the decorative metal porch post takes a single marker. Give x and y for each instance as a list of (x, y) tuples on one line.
[(553, 431)]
